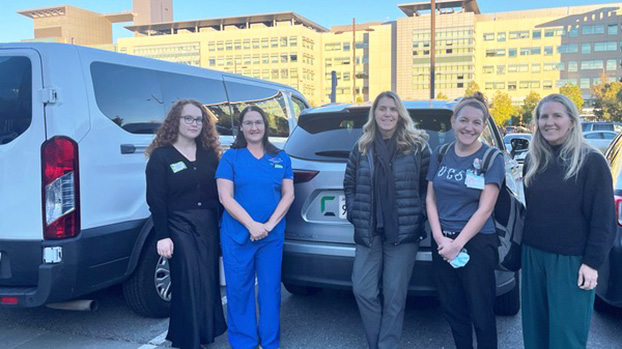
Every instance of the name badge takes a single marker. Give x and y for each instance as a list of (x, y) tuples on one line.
[(178, 166), (278, 166), (474, 181)]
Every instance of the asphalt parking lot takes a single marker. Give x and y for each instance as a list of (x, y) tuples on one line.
[(327, 320)]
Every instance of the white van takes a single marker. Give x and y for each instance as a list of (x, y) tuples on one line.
[(74, 123)]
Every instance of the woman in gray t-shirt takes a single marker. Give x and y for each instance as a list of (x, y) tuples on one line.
[(460, 200)]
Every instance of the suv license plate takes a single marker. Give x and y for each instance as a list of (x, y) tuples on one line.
[(342, 207)]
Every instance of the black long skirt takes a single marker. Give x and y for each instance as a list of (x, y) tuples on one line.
[(196, 309)]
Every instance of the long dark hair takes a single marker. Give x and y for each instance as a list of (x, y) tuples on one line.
[(240, 140), (168, 132)]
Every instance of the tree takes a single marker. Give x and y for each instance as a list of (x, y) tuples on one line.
[(441, 95), (573, 92), (529, 104), (472, 87), (502, 108), (607, 99)]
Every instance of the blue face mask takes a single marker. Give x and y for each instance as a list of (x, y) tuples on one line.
[(461, 259)]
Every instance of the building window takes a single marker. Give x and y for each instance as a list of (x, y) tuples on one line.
[(228, 45), (284, 58), (549, 33), (511, 85), (568, 48), (612, 64), (584, 83), (612, 29), (265, 58), (586, 48), (535, 68), (293, 41), (335, 46), (346, 46), (212, 62), (293, 57), (283, 42), (488, 69), (237, 45), (247, 59), (256, 59), (548, 50), (593, 64), (512, 52), (573, 32), (605, 46), (255, 43), (501, 69), (293, 73), (274, 58), (501, 36), (211, 46), (246, 44), (265, 43), (220, 46), (547, 84), (572, 66), (526, 51), (274, 42), (536, 34), (284, 73), (275, 74), (489, 36), (593, 29), (523, 34), (518, 68), (495, 53)]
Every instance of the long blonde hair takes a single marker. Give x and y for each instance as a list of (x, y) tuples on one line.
[(408, 136), (573, 150)]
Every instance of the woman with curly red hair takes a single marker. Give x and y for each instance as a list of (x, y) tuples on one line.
[(183, 200)]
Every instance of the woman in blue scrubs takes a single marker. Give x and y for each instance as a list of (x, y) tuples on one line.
[(256, 187)]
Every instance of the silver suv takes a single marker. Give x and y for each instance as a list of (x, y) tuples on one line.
[(319, 241)]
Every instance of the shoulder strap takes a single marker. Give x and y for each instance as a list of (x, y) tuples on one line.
[(489, 157), (443, 151)]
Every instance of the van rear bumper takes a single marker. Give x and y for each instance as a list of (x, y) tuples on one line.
[(95, 259)]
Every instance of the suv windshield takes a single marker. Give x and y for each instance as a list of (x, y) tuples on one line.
[(331, 136)]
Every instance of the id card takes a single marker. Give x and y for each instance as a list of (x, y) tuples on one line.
[(474, 181), (178, 166)]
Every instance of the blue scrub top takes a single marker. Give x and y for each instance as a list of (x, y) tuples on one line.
[(256, 187)]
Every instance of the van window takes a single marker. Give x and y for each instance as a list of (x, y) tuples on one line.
[(299, 106), (15, 97), (138, 99), (270, 100)]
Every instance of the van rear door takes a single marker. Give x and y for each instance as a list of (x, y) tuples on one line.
[(22, 131)]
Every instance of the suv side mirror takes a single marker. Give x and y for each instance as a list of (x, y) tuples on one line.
[(519, 145)]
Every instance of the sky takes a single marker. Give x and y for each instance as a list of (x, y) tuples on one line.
[(15, 27)]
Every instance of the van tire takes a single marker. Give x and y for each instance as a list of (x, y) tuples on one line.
[(301, 290), (140, 290), (508, 304)]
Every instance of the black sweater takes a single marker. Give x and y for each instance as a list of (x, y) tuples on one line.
[(575, 216), (176, 184)]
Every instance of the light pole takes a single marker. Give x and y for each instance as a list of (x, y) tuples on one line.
[(353, 61)]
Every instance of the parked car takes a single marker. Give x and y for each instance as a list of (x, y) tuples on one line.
[(507, 140), (319, 241), (609, 288), (599, 139), (601, 126), (74, 124)]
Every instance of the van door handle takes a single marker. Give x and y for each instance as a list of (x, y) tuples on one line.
[(133, 148)]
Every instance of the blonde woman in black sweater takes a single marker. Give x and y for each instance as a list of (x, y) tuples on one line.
[(569, 228)]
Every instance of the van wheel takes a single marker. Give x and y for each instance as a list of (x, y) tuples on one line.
[(508, 304), (148, 290), (301, 290)]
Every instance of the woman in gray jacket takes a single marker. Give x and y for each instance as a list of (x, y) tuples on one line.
[(385, 190)]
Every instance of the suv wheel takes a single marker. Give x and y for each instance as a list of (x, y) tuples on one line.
[(508, 304), (301, 290), (148, 290)]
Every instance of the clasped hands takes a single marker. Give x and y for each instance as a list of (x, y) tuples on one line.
[(448, 249), (259, 231)]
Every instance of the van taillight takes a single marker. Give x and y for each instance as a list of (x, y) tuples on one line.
[(301, 176), (618, 209), (61, 199)]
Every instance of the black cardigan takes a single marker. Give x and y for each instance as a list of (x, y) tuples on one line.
[(170, 187), (574, 216)]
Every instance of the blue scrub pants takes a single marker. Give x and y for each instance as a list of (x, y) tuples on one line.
[(242, 262)]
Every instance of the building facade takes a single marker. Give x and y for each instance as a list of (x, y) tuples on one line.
[(514, 52)]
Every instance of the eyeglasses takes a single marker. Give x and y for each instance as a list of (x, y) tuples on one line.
[(250, 124), (188, 120)]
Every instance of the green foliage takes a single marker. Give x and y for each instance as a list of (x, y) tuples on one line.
[(502, 109), (529, 104), (608, 99), (573, 92), (471, 88), (441, 95)]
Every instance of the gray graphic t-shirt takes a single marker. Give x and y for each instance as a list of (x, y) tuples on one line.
[(456, 202)]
